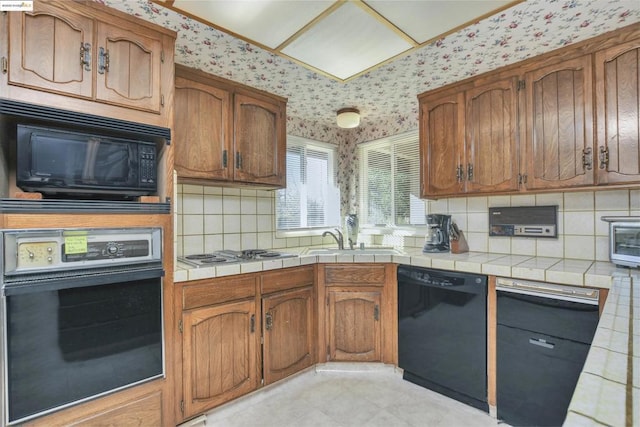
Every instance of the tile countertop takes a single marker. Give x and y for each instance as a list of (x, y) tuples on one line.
[(608, 390), (556, 270)]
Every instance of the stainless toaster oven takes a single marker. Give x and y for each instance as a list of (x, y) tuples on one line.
[(624, 240)]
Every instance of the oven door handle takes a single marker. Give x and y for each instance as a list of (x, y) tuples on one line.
[(82, 279)]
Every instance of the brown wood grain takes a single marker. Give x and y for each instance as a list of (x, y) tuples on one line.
[(203, 128), (442, 143), (219, 355), (617, 73), (45, 66), (355, 275), (146, 411), (289, 278), (260, 139), (491, 125), (492, 327), (289, 339), (218, 291), (559, 119), (354, 333)]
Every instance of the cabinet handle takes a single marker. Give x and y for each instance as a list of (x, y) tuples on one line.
[(604, 157), (85, 56), (253, 323), (587, 160), (376, 312), (103, 60), (268, 321), (238, 161), (460, 173), (224, 158), (542, 343), (469, 172)]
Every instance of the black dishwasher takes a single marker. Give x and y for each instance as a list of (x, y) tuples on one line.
[(442, 332), (543, 337)]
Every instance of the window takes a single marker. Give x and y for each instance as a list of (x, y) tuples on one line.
[(390, 182), (312, 198)]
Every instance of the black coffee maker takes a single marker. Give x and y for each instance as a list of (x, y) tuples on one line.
[(437, 239)]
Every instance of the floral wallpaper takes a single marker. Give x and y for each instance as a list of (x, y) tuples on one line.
[(386, 96)]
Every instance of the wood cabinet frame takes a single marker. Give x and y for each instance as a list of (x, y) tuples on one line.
[(577, 165)]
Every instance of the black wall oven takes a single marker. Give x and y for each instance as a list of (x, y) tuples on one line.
[(82, 315)]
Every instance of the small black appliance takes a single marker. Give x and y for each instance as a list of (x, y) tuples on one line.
[(437, 239)]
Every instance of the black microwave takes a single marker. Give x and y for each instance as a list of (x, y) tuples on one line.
[(61, 163)]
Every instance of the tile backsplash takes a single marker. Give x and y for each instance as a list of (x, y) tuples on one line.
[(215, 218)]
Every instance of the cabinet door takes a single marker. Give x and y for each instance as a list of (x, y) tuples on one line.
[(128, 67), (51, 49), (491, 123), (202, 130), (288, 333), (618, 113), (442, 144), (260, 141), (354, 326), (559, 131), (219, 355)]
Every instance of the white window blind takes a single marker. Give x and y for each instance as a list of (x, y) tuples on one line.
[(390, 181), (312, 198)]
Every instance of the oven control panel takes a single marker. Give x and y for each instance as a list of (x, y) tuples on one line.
[(42, 250), (37, 254)]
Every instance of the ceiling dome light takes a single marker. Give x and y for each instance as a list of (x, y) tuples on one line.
[(348, 118)]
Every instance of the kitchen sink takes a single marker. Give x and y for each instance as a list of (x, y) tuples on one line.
[(366, 251)]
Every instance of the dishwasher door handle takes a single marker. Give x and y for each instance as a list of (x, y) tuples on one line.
[(541, 342)]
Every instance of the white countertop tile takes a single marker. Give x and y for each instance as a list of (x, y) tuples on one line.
[(472, 262), (502, 266), (568, 272), (533, 268), (600, 399)]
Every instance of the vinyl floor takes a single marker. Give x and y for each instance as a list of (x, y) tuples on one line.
[(347, 395)]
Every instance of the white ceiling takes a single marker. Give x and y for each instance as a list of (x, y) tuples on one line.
[(340, 39)]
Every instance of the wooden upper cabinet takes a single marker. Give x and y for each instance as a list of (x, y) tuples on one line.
[(87, 57), (260, 140), (491, 126), (227, 132), (219, 355), (288, 333), (617, 71), (52, 50), (128, 67), (202, 133), (559, 125), (442, 143)]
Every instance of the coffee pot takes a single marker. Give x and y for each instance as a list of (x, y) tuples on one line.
[(437, 238)]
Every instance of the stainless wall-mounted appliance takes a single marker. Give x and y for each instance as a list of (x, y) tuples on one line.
[(524, 221), (81, 313), (624, 240), (437, 238)]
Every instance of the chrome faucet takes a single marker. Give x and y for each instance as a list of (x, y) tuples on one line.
[(339, 238)]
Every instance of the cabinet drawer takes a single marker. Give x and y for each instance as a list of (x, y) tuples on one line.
[(354, 275), (218, 291), (287, 279)]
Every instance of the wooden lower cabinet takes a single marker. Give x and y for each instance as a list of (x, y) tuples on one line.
[(224, 322), (288, 333), (219, 354), (359, 315), (354, 332)]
